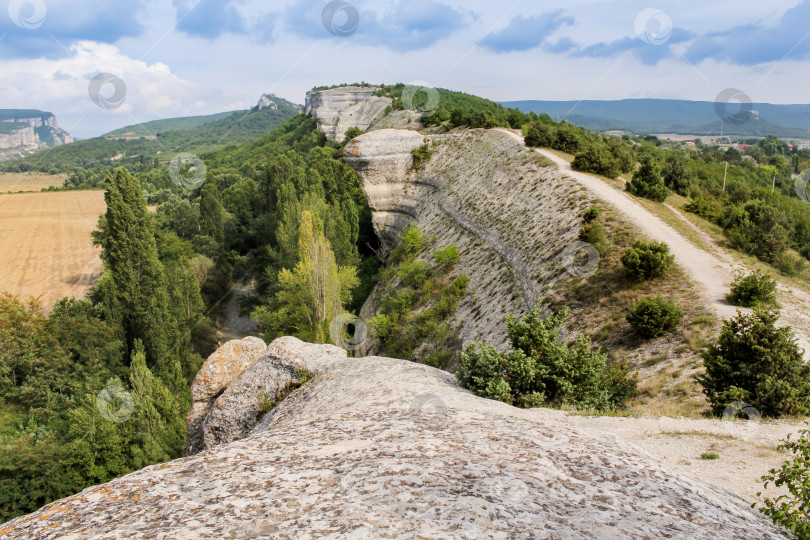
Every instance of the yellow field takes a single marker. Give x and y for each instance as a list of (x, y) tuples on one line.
[(12, 183), (45, 245)]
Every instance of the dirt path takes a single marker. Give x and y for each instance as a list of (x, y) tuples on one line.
[(711, 272), (232, 324)]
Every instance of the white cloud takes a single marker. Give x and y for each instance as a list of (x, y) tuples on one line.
[(61, 85)]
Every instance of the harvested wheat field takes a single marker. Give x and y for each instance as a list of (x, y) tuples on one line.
[(13, 183), (45, 245)]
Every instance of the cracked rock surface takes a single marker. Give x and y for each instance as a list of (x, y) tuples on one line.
[(382, 448)]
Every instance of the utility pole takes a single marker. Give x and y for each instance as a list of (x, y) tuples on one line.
[(724, 177)]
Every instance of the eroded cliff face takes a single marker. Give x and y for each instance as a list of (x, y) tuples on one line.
[(339, 109), (383, 448), (509, 211)]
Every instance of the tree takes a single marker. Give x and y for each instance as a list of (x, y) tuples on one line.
[(540, 134), (212, 220), (647, 181), (755, 362), (759, 228), (130, 255), (313, 293), (654, 317), (790, 511), (679, 177)]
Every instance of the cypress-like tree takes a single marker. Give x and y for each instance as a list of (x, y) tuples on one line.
[(212, 220), (131, 257)]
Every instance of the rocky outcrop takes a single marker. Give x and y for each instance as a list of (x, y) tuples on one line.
[(383, 159), (34, 130), (338, 109), (266, 102), (382, 448), (217, 374)]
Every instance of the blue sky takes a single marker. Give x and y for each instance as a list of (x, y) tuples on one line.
[(185, 57)]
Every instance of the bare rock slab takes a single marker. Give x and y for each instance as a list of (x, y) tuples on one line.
[(382, 448)]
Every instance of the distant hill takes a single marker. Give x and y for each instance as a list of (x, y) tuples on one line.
[(163, 138), (674, 116), (154, 127)]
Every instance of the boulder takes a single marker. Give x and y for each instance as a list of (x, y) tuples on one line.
[(218, 372), (383, 448)]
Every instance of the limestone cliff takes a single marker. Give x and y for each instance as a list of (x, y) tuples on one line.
[(382, 448), (509, 212), (31, 131), (339, 109)]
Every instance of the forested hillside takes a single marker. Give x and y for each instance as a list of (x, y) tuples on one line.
[(118, 148)]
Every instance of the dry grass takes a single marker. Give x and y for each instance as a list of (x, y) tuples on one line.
[(45, 245), (26, 182)]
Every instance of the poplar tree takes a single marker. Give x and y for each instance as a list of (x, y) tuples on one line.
[(131, 257)]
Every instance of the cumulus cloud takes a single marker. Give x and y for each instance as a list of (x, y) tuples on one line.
[(62, 84), (208, 19), (524, 33)]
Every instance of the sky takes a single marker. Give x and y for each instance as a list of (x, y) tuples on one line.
[(100, 65)]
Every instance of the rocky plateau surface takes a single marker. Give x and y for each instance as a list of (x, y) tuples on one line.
[(383, 448)]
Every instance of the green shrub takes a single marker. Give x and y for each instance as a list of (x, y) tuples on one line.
[(414, 273), (704, 208), (542, 369), (447, 255), (755, 289), (351, 133), (790, 264), (791, 511), (597, 159), (595, 235), (647, 260), (755, 362), (709, 455), (592, 214), (438, 117), (421, 156), (648, 183), (654, 317), (412, 241)]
